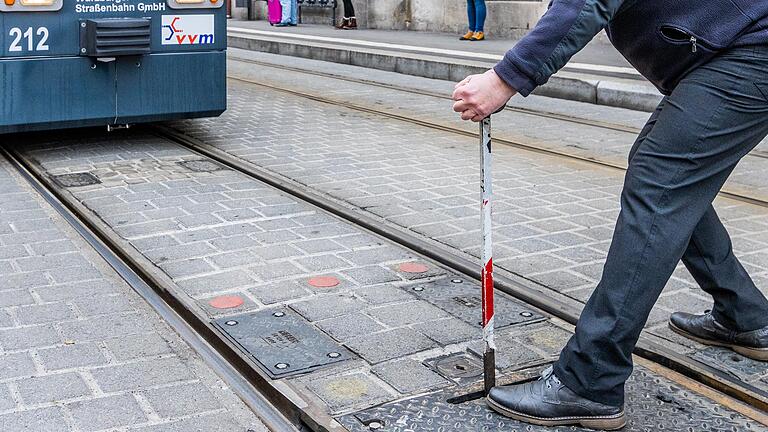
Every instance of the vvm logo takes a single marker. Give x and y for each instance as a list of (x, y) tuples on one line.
[(188, 29)]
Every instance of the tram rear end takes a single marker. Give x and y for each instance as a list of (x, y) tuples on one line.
[(73, 63)]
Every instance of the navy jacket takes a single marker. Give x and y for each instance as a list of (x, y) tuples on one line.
[(662, 39)]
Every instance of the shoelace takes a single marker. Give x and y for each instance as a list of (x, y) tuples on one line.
[(548, 375)]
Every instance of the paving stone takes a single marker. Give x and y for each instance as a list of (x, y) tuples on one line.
[(75, 290), (71, 356), (275, 270), (403, 314), (52, 388), (390, 344), (41, 314), (15, 298), (183, 400), (345, 391), (276, 292), (409, 376), (447, 331), (329, 306), (14, 365), (6, 320), (346, 327), (22, 338), (6, 400), (123, 411), (75, 274), (218, 282), (20, 281), (371, 275), (137, 346), (135, 376), (99, 328), (43, 420), (208, 423), (382, 294), (322, 263), (104, 305)]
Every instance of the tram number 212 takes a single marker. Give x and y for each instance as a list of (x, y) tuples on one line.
[(31, 39)]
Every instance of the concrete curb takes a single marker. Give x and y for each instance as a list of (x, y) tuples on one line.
[(621, 93)]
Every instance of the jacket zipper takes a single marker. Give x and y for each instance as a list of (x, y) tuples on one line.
[(694, 44)]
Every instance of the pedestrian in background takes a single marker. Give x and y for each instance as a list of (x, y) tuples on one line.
[(290, 13), (476, 13), (349, 22)]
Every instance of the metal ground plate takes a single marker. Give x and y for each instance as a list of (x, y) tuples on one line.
[(743, 368), (282, 342), (653, 404), (461, 299), (76, 179)]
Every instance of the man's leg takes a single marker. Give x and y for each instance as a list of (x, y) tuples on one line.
[(714, 117), (709, 257)]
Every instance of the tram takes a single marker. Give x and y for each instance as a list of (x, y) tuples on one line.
[(74, 63)]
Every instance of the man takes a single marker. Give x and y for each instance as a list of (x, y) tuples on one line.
[(710, 59)]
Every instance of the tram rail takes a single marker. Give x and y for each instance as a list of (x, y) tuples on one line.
[(617, 127), (246, 377)]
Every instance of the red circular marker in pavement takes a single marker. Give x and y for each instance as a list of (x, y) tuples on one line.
[(226, 302), (324, 282), (413, 268)]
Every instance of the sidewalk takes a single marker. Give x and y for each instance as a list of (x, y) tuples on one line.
[(79, 350), (598, 74)]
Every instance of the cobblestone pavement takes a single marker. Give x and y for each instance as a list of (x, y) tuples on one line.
[(609, 145), (218, 233), (553, 217), (79, 350)]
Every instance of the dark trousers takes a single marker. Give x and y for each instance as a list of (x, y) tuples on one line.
[(349, 10), (680, 161)]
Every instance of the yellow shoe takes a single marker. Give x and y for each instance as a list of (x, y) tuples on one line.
[(468, 35), (478, 36)]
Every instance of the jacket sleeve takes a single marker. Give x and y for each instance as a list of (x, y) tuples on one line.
[(563, 31)]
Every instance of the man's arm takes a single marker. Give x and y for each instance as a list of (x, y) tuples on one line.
[(563, 31)]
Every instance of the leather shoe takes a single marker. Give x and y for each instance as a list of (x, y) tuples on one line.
[(548, 402), (705, 329)]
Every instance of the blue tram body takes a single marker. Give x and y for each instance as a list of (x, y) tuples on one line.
[(72, 63)]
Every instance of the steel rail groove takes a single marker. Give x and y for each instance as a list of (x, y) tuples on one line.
[(517, 286)]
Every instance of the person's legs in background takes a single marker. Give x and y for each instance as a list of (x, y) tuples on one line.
[(286, 17), (294, 18), (350, 21), (471, 16), (480, 13)]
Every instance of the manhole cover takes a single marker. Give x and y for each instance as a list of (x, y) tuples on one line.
[(459, 367), (76, 180), (462, 300), (201, 165), (282, 342)]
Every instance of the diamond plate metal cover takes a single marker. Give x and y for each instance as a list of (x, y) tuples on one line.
[(282, 342), (653, 404), (744, 368), (461, 299), (76, 179)]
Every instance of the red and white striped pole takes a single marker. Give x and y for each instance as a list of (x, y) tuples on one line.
[(489, 356)]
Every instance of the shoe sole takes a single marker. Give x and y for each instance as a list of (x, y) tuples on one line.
[(609, 423), (759, 354)]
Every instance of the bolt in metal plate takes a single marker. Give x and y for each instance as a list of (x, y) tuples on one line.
[(282, 343), (743, 368), (201, 165), (653, 403), (463, 301), (76, 180)]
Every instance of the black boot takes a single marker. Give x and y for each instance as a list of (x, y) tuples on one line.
[(343, 23), (705, 329), (548, 402)]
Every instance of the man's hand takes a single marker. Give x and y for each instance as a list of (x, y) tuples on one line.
[(479, 96)]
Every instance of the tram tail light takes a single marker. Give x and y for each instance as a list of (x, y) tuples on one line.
[(186, 2), (34, 2), (10, 2)]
